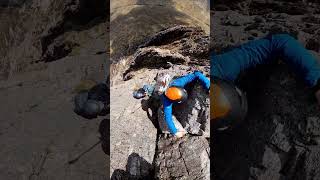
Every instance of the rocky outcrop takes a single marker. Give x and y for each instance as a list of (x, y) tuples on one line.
[(190, 49), (132, 131), (280, 135), (187, 158), (150, 17)]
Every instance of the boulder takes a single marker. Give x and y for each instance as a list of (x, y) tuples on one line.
[(186, 158)]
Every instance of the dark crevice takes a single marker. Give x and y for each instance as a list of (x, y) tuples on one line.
[(287, 7), (168, 36), (134, 161), (184, 162), (59, 51), (11, 3), (86, 15)]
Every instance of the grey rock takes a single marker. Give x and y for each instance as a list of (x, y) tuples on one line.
[(278, 138), (146, 57), (294, 162), (313, 126), (233, 19), (259, 19), (221, 8), (311, 164), (150, 17), (252, 26), (194, 113), (186, 158), (131, 132), (45, 32), (272, 164), (181, 45), (52, 135), (311, 19), (137, 168), (170, 35), (313, 44)]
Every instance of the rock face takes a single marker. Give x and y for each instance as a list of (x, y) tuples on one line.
[(49, 50), (132, 131), (194, 114), (187, 158), (188, 50), (279, 139), (174, 55), (150, 17), (44, 32)]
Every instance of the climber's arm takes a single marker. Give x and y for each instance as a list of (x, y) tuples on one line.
[(184, 80), (300, 59), (203, 79), (167, 109), (229, 65)]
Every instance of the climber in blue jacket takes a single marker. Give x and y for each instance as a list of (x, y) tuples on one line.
[(171, 90), (227, 66)]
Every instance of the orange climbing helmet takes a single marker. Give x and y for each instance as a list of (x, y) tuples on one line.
[(176, 94), (228, 105)]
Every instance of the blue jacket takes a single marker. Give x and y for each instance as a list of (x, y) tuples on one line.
[(228, 65), (181, 82)]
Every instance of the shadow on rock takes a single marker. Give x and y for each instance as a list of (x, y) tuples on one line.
[(137, 169), (104, 130), (10, 3), (232, 148), (264, 146), (97, 95), (151, 106)]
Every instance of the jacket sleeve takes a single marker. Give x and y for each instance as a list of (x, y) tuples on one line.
[(230, 64), (203, 79), (184, 80), (300, 59), (167, 109)]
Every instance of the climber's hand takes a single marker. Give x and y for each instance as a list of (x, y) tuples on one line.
[(180, 133), (317, 94), (140, 93)]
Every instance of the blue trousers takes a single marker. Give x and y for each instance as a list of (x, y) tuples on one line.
[(228, 65)]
